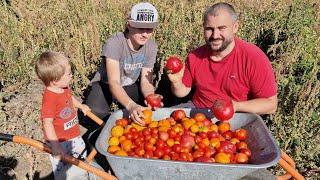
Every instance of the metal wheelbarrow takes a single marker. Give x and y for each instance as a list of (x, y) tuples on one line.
[(285, 161)]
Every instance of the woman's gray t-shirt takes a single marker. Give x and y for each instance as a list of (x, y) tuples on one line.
[(130, 62)]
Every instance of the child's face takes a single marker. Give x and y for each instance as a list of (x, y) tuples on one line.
[(65, 80)]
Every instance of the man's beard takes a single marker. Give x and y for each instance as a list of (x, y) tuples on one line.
[(223, 46)]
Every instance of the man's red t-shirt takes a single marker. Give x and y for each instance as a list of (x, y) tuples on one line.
[(245, 73), (59, 106)]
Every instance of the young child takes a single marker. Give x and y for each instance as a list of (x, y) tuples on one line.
[(59, 114)]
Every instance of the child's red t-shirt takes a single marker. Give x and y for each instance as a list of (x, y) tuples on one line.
[(59, 106), (244, 74)]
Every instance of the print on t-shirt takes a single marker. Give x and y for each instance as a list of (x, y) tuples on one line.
[(132, 68)]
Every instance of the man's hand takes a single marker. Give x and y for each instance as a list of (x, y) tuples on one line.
[(135, 111), (177, 77)]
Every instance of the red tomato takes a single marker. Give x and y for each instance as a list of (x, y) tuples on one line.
[(203, 159), (187, 141), (222, 109), (148, 154), (197, 153), (179, 114), (173, 64), (203, 135), (213, 134), (160, 144), (228, 135), (176, 148), (158, 153), (246, 151), (242, 145), (183, 156), (146, 131), (163, 136), (172, 133), (166, 150), (174, 155), (149, 147), (209, 151), (133, 129), (154, 100), (139, 151), (129, 136), (241, 134), (207, 122), (122, 122), (227, 147)]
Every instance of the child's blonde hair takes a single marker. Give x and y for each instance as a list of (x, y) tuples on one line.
[(51, 66)]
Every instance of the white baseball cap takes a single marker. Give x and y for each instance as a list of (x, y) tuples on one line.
[(143, 15)]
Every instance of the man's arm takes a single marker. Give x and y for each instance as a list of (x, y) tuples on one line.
[(120, 94), (258, 106), (146, 82), (112, 68), (177, 86)]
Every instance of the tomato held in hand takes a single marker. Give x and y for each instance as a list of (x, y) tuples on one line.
[(173, 64), (222, 109), (154, 100)]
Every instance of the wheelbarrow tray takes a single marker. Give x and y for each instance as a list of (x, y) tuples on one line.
[(265, 152)]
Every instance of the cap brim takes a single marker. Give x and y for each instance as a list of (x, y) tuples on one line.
[(136, 24)]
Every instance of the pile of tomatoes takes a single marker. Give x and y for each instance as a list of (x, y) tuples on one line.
[(180, 138)]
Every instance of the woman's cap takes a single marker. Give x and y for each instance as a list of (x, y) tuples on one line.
[(143, 15)]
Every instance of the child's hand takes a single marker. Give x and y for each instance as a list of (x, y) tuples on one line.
[(57, 151), (84, 108)]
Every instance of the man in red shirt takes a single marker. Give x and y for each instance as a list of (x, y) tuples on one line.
[(227, 67)]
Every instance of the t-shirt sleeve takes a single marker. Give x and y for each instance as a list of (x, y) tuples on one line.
[(152, 49), (112, 48), (262, 80), (187, 77), (48, 106)]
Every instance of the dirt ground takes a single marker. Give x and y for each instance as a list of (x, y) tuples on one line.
[(19, 114)]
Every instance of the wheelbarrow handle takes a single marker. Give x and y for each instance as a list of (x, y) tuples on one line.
[(69, 159), (95, 118), (288, 164)]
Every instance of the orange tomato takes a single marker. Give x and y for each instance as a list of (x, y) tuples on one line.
[(194, 128), (170, 142), (215, 142), (113, 149), (121, 153), (222, 157), (147, 114), (241, 158), (214, 127), (223, 127), (126, 145), (199, 117)]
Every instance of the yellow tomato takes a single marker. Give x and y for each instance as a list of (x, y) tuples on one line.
[(113, 141), (117, 131)]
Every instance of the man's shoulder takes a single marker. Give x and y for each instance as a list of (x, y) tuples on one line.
[(247, 47), (199, 50), (152, 43), (118, 36)]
